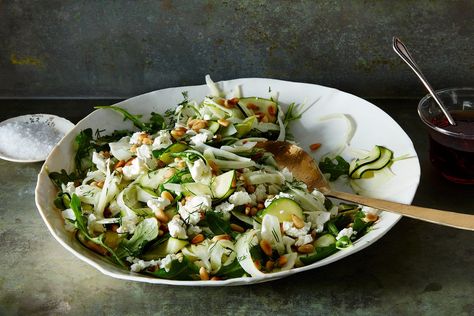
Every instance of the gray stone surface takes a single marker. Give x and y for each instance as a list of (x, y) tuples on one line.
[(417, 268), (124, 48)]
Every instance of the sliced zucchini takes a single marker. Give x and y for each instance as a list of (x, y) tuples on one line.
[(246, 126), (153, 179), (230, 111), (377, 159), (223, 185), (213, 127), (197, 189), (266, 110), (167, 157), (283, 208), (325, 241), (161, 250)]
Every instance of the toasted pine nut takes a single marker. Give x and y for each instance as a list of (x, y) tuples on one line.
[(272, 110), (314, 146), (214, 167), (191, 122), (282, 261), (253, 211), (133, 148), (119, 164), (167, 195), (178, 132), (203, 274), (223, 122), (197, 239), (220, 237), (298, 222), (147, 141), (260, 206), (306, 248), (257, 264), (215, 278), (252, 106), (266, 247), (250, 188), (129, 162), (160, 232), (369, 217), (231, 103), (269, 265), (313, 234), (247, 210), (100, 184), (198, 125), (237, 228), (105, 154), (161, 216)]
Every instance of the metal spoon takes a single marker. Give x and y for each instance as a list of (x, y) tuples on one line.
[(402, 51), (305, 169)]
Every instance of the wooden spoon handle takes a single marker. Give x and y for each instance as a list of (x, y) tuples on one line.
[(452, 219)]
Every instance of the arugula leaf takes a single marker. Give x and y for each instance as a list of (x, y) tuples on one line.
[(335, 167), (63, 177), (156, 123), (183, 270), (81, 225), (84, 144), (233, 270), (320, 253), (217, 224), (146, 231)]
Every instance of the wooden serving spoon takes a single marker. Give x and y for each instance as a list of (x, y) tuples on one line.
[(305, 169)]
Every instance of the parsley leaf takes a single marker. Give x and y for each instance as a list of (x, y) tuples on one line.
[(335, 167)]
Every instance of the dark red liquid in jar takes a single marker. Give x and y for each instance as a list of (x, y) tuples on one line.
[(454, 155)]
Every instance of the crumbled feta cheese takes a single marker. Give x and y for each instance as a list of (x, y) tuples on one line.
[(99, 161), (240, 198), (287, 174), (318, 219), (200, 172), (224, 208), (144, 152), (166, 261), (194, 207), (129, 223), (345, 232), (136, 168), (303, 240), (136, 138), (139, 265), (176, 228), (193, 230), (162, 140), (197, 139), (69, 188), (158, 204), (68, 215), (290, 230)]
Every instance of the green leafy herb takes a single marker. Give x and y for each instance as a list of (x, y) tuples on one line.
[(217, 224), (179, 270), (156, 123), (334, 167), (84, 144), (63, 177), (343, 242), (146, 231), (233, 270), (320, 253)]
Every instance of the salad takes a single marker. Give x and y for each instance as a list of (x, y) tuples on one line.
[(189, 195)]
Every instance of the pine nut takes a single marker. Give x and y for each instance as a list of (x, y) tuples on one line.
[(298, 222), (252, 106), (369, 217), (247, 210), (197, 239), (237, 228), (250, 188), (266, 247), (133, 148), (147, 141), (314, 146), (129, 162), (220, 237), (269, 265), (167, 195), (313, 234), (260, 206), (215, 278), (231, 103), (257, 264), (203, 274), (191, 122), (161, 216), (253, 211), (308, 248), (223, 122), (100, 184), (272, 110), (119, 164), (282, 261), (178, 132)]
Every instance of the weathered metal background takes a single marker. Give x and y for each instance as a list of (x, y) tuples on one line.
[(122, 48)]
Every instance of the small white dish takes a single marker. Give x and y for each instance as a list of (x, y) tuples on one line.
[(32, 125), (372, 127)]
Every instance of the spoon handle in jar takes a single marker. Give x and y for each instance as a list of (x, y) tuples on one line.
[(446, 218)]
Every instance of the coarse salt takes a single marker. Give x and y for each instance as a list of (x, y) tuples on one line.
[(31, 141)]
